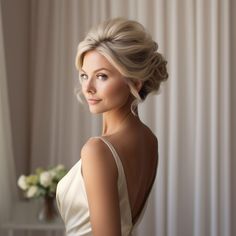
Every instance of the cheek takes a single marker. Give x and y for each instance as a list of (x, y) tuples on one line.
[(117, 93)]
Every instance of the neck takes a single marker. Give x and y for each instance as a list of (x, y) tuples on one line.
[(114, 121)]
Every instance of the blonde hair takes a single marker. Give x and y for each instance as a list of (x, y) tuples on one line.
[(128, 47)]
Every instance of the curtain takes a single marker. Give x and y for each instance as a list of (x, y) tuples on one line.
[(7, 170), (192, 116)]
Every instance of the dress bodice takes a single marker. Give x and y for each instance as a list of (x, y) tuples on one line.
[(73, 203)]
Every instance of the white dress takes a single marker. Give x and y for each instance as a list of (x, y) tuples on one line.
[(73, 203)]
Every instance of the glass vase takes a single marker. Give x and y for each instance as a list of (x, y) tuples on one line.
[(48, 211)]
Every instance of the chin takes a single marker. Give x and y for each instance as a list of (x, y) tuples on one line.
[(95, 111), (99, 110)]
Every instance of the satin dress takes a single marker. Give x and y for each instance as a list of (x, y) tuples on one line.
[(73, 206)]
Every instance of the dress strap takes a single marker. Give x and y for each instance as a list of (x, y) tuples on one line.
[(114, 153), (125, 205)]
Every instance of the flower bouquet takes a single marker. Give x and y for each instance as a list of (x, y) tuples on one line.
[(43, 183)]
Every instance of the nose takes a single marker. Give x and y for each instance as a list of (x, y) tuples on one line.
[(90, 86)]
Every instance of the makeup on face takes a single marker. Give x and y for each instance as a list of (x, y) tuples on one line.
[(102, 84)]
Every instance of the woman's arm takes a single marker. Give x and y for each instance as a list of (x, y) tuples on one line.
[(100, 176)]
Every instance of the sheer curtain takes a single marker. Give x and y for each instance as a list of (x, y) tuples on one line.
[(192, 117), (7, 170)]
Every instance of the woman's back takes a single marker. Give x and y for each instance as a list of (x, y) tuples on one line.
[(137, 148)]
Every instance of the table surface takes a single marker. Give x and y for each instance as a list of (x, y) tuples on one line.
[(24, 216)]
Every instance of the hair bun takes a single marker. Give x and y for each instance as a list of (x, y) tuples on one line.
[(157, 74)]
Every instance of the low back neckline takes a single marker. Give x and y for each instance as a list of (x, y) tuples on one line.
[(137, 218)]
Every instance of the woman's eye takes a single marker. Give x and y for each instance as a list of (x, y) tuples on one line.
[(102, 76), (83, 77)]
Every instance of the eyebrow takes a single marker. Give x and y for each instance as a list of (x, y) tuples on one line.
[(103, 68)]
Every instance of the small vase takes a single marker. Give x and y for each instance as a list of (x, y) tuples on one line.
[(48, 212)]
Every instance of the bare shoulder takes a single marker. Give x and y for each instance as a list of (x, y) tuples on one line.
[(97, 158), (93, 145), (100, 176), (150, 137)]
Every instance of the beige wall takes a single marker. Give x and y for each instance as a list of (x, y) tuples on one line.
[(233, 123), (16, 23)]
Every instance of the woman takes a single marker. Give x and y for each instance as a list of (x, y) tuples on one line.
[(104, 194)]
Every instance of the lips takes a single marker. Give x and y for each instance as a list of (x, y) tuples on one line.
[(93, 101)]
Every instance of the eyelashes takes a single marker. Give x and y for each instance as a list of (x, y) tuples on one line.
[(100, 76)]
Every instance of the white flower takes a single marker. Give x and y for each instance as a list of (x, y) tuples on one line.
[(32, 191), (53, 173), (22, 182), (45, 179), (60, 167)]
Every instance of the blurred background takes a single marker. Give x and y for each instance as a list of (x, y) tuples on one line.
[(42, 124)]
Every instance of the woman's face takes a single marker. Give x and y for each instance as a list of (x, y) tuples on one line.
[(103, 85)]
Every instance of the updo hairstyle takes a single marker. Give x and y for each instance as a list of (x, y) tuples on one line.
[(131, 50)]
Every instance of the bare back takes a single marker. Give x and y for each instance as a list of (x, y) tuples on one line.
[(137, 148)]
